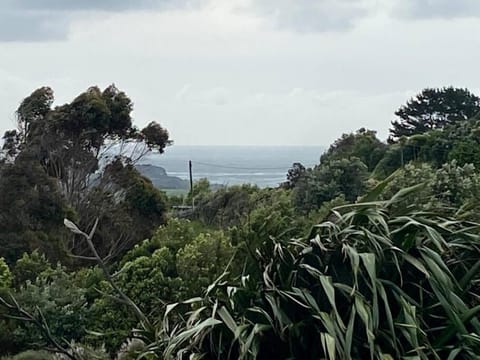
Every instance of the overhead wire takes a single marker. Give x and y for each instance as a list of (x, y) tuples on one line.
[(237, 167)]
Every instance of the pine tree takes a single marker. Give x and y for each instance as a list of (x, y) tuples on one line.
[(434, 109)]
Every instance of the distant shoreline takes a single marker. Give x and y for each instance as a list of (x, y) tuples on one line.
[(264, 166)]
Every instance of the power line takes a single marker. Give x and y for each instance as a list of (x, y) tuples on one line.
[(411, 146), (237, 167)]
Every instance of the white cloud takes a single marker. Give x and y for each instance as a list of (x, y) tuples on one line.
[(444, 9), (311, 15), (227, 73)]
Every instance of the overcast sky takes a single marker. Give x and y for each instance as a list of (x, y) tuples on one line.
[(242, 72)]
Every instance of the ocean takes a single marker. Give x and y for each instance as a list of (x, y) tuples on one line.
[(231, 165)]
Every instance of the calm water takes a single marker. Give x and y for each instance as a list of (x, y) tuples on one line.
[(229, 165)]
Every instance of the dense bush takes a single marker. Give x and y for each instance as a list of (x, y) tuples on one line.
[(342, 177), (371, 283), (54, 296), (31, 355), (5, 275)]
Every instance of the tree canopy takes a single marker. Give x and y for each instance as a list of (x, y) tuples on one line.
[(70, 159), (434, 108)]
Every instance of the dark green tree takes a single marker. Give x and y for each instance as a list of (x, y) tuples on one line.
[(329, 180), (31, 210), (55, 161), (432, 109), (363, 144), (10, 146), (69, 140), (294, 175)]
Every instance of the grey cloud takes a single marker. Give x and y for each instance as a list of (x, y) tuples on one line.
[(18, 26), (312, 15), (102, 5), (40, 20), (430, 9)]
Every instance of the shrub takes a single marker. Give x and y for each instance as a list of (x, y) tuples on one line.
[(369, 283), (31, 355), (5, 275)]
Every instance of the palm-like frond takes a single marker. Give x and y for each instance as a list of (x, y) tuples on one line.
[(371, 283)]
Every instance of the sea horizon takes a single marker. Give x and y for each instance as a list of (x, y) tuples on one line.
[(262, 165)]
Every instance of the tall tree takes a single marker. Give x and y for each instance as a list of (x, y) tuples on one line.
[(434, 109), (69, 140), (58, 156)]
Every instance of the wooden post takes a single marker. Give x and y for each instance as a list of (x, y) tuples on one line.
[(191, 180)]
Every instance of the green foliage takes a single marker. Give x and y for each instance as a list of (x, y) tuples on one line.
[(330, 179), (458, 141), (174, 235), (272, 217), (5, 275), (29, 267), (31, 355), (363, 145), (434, 109), (227, 206), (368, 284), (410, 175), (201, 190), (50, 172), (139, 190), (32, 112), (131, 350), (203, 260), (92, 280), (156, 137), (110, 321), (465, 151), (10, 146), (177, 262), (381, 279), (457, 185), (128, 206), (54, 296), (31, 209), (452, 188), (151, 280), (393, 159), (294, 175)]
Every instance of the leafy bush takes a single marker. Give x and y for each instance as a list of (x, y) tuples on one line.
[(370, 283), (227, 206), (174, 236), (29, 266), (453, 188), (31, 355), (5, 275), (54, 297), (363, 144), (203, 260), (331, 179)]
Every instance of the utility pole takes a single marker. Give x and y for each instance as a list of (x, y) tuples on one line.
[(191, 180)]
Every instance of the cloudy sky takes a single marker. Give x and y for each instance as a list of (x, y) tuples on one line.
[(242, 72)]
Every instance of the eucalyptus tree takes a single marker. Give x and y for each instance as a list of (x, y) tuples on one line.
[(65, 151)]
